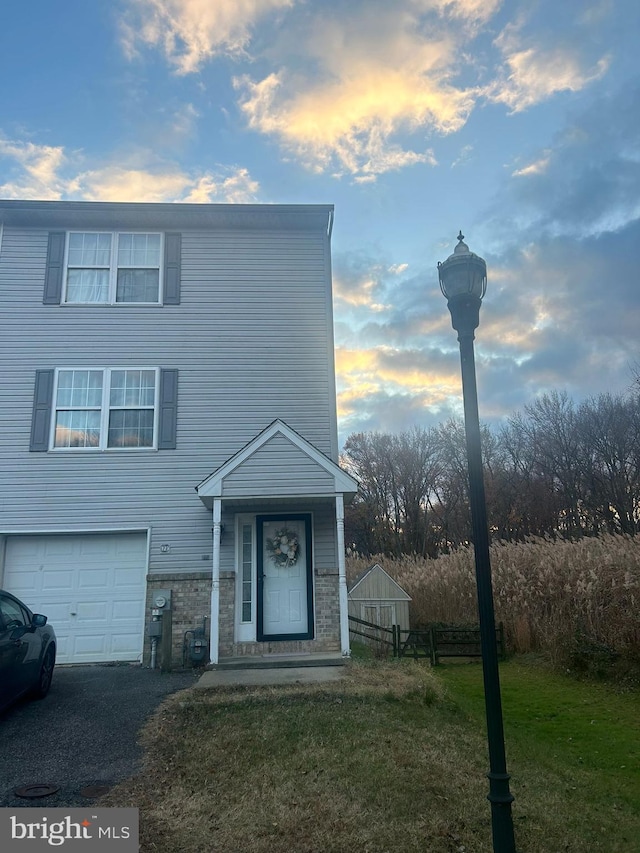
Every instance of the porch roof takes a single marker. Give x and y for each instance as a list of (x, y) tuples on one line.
[(277, 463)]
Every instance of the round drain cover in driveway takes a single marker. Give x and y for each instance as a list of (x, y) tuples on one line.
[(37, 790), (91, 792)]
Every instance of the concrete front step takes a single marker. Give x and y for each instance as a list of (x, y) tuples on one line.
[(279, 661)]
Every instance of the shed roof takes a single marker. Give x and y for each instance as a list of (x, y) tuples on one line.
[(375, 579)]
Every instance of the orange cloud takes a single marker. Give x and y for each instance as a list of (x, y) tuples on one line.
[(364, 372), (45, 172), (368, 77)]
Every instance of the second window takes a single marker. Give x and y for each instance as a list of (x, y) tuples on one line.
[(106, 268)]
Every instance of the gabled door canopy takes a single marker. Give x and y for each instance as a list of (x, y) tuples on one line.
[(336, 480)]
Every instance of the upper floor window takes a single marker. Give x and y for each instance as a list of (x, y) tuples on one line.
[(110, 268), (101, 409)]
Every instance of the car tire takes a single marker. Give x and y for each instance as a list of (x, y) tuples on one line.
[(41, 688)]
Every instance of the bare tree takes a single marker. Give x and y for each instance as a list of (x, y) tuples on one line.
[(555, 468), (610, 430), (396, 474)]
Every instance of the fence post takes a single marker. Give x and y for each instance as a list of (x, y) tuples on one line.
[(394, 640), (502, 648), (432, 643)]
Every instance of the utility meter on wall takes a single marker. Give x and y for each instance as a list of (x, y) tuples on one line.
[(162, 599)]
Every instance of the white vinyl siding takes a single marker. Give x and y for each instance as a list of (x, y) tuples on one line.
[(113, 268), (251, 340), (278, 469)]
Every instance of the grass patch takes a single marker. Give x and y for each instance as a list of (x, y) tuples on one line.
[(393, 757), (578, 741)]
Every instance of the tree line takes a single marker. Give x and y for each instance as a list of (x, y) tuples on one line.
[(556, 468)]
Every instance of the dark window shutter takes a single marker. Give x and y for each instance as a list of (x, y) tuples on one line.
[(41, 416), (172, 263), (55, 269), (168, 410)]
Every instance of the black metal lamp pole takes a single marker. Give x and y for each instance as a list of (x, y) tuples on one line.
[(463, 280)]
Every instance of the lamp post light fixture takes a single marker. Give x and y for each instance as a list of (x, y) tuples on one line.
[(463, 281)]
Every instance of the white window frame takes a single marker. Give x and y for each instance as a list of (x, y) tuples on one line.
[(245, 632), (105, 410), (113, 269)]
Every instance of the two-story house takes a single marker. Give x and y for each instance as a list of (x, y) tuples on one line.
[(168, 425)]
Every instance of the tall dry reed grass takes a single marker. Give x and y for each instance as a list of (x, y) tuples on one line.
[(578, 602)]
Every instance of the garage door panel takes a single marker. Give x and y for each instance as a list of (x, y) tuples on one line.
[(26, 587), (63, 652), (98, 547), (57, 614), (93, 579), (58, 548), (90, 647), (93, 613), (101, 578), (124, 611), (57, 582), (124, 580), (122, 645)]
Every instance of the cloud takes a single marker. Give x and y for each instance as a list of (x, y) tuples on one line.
[(359, 282), (547, 323), (351, 93), (538, 167), (47, 172), (184, 120), (34, 170), (115, 183), (561, 313), (534, 73), (348, 125), (424, 373), (465, 156), (192, 32), (586, 183)]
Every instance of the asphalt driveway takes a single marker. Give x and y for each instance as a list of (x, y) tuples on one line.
[(84, 733)]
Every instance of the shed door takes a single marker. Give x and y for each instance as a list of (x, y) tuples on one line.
[(380, 614), (285, 593)]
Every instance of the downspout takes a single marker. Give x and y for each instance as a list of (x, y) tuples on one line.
[(214, 634), (342, 578)]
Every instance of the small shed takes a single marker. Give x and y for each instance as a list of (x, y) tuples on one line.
[(375, 597)]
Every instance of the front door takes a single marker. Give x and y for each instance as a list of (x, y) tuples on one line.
[(285, 589)]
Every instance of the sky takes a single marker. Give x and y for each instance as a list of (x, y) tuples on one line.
[(517, 122)]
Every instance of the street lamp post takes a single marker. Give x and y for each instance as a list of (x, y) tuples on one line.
[(463, 281)]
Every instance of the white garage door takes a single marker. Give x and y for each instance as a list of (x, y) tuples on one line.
[(90, 586)]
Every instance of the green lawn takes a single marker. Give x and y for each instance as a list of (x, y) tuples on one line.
[(578, 740), (391, 758)]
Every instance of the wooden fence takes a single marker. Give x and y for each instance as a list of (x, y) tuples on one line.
[(433, 642)]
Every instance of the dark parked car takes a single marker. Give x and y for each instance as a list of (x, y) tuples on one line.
[(27, 651)]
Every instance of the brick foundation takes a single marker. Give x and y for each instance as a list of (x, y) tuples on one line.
[(191, 602)]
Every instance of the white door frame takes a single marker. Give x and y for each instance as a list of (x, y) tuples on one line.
[(245, 632)]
